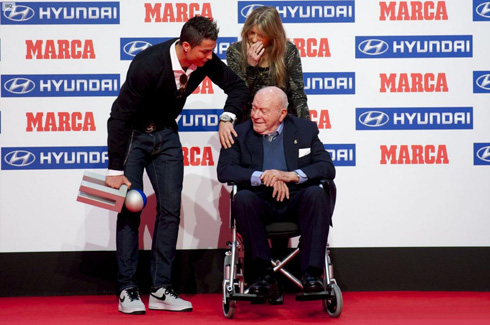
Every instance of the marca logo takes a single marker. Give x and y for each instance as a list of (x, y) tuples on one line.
[(222, 44), (342, 154), (199, 120), (69, 85), (60, 49), (176, 12), (313, 47), (481, 81), (414, 155), (73, 13), (304, 11), (414, 118), (15, 158), (206, 87), (413, 83), (132, 46), (197, 156), (481, 153), (321, 118), (413, 10), (60, 121), (481, 10), (427, 46), (330, 83)]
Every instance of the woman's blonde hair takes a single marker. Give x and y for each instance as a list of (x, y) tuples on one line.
[(268, 23)]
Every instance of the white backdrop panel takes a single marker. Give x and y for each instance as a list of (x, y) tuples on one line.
[(378, 204)]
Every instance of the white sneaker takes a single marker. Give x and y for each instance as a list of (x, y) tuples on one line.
[(167, 299), (130, 302)]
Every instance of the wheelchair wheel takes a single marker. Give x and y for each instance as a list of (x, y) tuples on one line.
[(334, 303), (229, 308)]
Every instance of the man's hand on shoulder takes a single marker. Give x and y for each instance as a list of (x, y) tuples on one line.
[(226, 132)]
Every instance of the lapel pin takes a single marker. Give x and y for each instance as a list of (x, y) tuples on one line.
[(295, 141)]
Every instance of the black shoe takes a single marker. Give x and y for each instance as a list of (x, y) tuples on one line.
[(280, 298), (265, 286), (311, 283)]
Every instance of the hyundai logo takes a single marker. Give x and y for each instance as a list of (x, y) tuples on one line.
[(19, 86), (484, 9), (248, 9), (19, 13), (373, 47), (484, 81), (19, 158), (373, 118), (134, 47), (484, 153)]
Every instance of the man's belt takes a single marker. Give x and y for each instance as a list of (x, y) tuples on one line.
[(151, 127)]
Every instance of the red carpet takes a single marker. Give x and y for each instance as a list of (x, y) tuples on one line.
[(359, 308)]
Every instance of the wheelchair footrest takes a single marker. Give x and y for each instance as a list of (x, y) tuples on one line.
[(303, 296), (247, 297)]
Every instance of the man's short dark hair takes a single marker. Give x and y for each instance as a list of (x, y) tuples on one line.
[(198, 28)]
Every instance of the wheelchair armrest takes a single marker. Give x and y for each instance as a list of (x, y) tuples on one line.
[(234, 189), (331, 189)]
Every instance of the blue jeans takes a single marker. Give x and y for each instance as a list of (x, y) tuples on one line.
[(160, 153)]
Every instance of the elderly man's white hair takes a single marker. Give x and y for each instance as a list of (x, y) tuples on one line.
[(277, 93)]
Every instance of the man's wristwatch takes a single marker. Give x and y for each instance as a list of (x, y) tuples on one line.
[(226, 118)]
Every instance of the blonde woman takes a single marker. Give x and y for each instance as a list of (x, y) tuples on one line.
[(265, 57)]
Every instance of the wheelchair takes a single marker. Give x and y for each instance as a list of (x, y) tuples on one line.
[(233, 272)]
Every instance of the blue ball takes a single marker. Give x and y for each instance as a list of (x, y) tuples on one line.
[(135, 200)]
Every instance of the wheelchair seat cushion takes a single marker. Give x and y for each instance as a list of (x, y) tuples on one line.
[(282, 229)]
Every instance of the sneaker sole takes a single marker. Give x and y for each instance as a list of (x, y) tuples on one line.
[(131, 311), (168, 307), (135, 312)]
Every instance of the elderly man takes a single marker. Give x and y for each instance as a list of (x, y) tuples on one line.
[(277, 160)]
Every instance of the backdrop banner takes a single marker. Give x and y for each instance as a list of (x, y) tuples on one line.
[(400, 91)]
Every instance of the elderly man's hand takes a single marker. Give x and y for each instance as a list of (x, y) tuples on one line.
[(270, 176), (281, 191), (226, 132)]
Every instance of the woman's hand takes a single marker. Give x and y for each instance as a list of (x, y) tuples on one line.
[(254, 53)]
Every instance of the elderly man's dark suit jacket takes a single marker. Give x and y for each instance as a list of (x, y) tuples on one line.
[(303, 150), (302, 147)]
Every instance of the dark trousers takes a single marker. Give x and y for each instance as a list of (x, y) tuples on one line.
[(160, 153), (309, 207)]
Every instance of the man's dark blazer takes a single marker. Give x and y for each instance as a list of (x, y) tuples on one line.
[(149, 95), (303, 150)]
